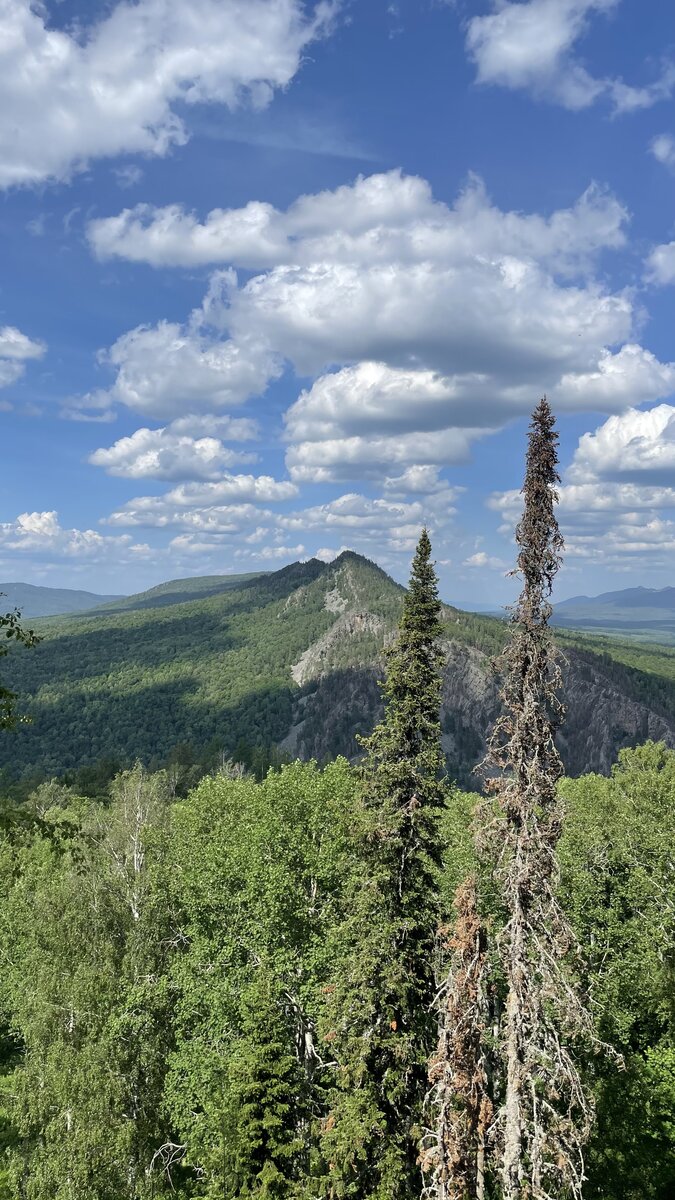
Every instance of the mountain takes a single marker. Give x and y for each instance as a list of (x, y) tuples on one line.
[(640, 611), (178, 590), (47, 601), (289, 659)]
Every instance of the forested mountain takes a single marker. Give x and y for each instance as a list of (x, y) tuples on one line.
[(175, 591), (648, 612), (47, 601), (287, 660)]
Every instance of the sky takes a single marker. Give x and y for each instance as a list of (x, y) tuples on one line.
[(280, 279)]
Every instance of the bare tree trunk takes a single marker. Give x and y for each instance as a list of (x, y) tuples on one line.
[(453, 1153), (545, 1116)]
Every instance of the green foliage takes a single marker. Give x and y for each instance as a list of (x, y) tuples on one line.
[(257, 872), (620, 890), (11, 631), (380, 1026), (83, 930), (190, 1035)]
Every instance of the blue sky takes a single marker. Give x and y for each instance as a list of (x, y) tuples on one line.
[(279, 279)]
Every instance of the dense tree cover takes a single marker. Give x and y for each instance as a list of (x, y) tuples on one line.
[(165, 970), (215, 670), (212, 669), (619, 889)]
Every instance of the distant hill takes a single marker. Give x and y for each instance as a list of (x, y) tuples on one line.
[(176, 591), (289, 660), (648, 613), (47, 601)]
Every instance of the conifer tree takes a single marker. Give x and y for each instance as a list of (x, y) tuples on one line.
[(381, 1027), (545, 1114), (265, 1122)]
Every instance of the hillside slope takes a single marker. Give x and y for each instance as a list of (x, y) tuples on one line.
[(176, 591), (35, 601), (290, 659)]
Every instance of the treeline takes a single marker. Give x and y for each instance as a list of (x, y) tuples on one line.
[(167, 971)]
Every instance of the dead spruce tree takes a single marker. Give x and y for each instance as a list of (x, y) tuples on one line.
[(454, 1149), (545, 1115)]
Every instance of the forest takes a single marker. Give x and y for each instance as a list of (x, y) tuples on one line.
[(351, 980)]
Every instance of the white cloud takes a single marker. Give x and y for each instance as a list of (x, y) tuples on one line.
[(617, 380), (218, 519), (437, 323), (615, 493), (637, 447), (530, 44), (230, 503), (270, 553), (375, 219), (168, 454), (367, 419), (660, 266), (168, 370), (374, 525), (16, 349), (418, 480), (115, 86), (40, 534), (480, 560), (663, 149)]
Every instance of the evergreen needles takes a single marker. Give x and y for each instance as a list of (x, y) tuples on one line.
[(381, 1027)]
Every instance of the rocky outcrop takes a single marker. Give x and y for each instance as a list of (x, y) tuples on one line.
[(323, 654), (604, 709)]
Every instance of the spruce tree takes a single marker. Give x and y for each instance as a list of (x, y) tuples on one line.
[(544, 1114), (380, 1024)]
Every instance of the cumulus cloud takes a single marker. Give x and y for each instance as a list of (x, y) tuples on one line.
[(40, 534), (617, 380), (530, 45), (16, 349), (636, 447), (167, 453), (366, 419), (270, 553), (616, 493), (217, 519), (169, 370), (481, 560), (423, 325), (418, 480), (116, 85), (376, 525), (375, 219), (233, 498)]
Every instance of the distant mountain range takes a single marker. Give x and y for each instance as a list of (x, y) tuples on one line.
[(288, 660), (649, 612), (36, 601)]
